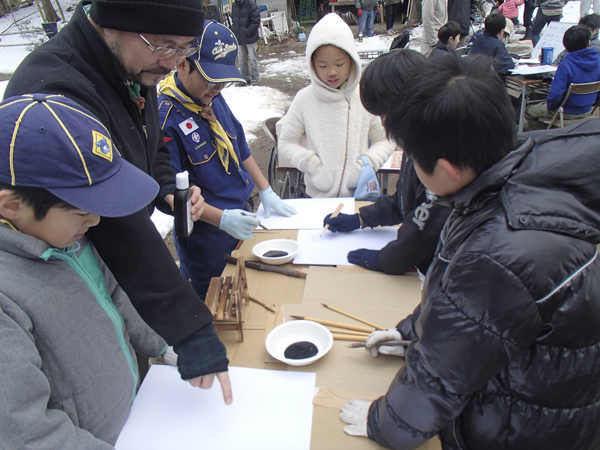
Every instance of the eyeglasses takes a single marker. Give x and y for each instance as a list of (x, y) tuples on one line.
[(167, 52), (217, 86)]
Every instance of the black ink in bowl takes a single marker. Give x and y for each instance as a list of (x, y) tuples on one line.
[(301, 350), (275, 254)]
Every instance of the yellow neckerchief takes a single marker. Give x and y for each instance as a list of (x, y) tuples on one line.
[(343, 85), (10, 225), (224, 146)]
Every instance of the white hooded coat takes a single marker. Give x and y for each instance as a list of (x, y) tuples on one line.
[(327, 130)]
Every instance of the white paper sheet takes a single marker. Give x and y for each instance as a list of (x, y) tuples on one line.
[(529, 70), (332, 249), (310, 213), (271, 410)]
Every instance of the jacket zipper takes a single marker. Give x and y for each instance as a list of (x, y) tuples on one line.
[(108, 307), (346, 147)]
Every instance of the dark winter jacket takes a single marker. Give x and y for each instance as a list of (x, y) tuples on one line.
[(463, 12), (506, 343), (421, 222), (490, 45), (246, 20), (367, 5), (440, 50), (77, 63), (581, 66)]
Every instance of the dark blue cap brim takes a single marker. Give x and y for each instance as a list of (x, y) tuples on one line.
[(125, 192)]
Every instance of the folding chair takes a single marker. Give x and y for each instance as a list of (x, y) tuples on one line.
[(287, 183), (574, 89)]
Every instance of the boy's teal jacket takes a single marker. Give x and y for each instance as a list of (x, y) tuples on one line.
[(67, 339)]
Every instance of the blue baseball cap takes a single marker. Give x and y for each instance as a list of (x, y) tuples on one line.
[(51, 142), (218, 50)]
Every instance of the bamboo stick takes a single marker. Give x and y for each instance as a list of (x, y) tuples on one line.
[(346, 337), (353, 317), (262, 303), (336, 324)]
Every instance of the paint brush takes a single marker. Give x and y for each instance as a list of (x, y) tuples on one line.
[(335, 214), (244, 213), (353, 317)]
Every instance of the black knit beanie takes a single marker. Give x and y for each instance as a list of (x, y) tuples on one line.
[(170, 17)]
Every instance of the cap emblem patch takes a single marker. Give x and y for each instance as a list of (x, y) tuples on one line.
[(221, 49), (102, 146)]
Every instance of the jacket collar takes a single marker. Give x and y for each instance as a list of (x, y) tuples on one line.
[(489, 181)]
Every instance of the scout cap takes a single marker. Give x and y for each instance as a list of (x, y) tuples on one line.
[(218, 50), (51, 142)]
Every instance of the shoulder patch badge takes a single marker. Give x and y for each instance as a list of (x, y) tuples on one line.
[(102, 146), (187, 126)]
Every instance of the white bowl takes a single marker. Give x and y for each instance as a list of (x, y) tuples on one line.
[(286, 245), (282, 336)]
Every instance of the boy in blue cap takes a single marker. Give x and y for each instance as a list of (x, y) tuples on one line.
[(205, 138), (68, 332)]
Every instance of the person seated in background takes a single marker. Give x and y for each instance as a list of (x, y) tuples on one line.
[(206, 139), (581, 65), (326, 130), (411, 204), (504, 347), (491, 43), (592, 21), (448, 39), (69, 331)]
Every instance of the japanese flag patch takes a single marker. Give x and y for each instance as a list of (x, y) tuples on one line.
[(187, 126)]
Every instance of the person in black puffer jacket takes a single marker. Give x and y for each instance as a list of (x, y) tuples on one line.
[(505, 350), (246, 20)]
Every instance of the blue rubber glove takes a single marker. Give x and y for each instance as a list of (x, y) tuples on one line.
[(343, 222), (238, 223), (271, 200), (365, 258)]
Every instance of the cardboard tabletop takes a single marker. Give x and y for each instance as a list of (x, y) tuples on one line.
[(373, 296)]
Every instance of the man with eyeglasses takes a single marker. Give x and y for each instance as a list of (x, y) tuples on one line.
[(206, 139), (109, 59)]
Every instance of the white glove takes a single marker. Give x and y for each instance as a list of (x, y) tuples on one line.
[(170, 357), (374, 341), (271, 200), (238, 223), (355, 414)]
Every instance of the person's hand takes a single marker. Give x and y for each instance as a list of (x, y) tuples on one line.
[(343, 222), (238, 223), (365, 258), (197, 202), (206, 382), (355, 414), (271, 200), (359, 12), (375, 342)]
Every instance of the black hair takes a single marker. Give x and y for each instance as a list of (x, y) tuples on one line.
[(454, 108), (494, 23), (382, 79), (592, 21), (39, 199), (577, 38), (448, 30)]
